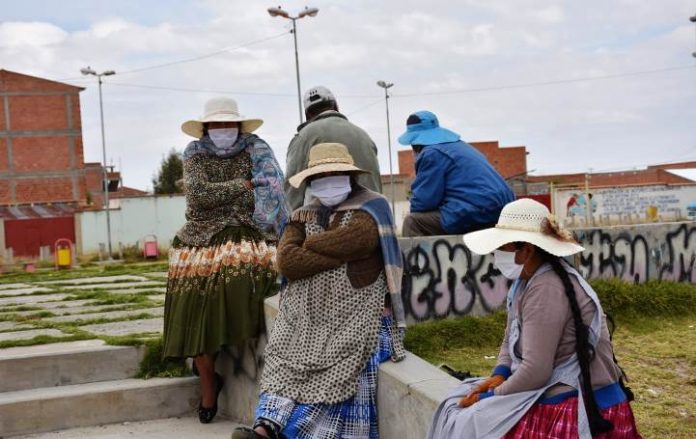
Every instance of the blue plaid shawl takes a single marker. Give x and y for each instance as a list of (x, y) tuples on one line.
[(271, 211), (378, 207)]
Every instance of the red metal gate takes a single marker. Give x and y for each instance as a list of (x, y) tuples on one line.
[(29, 227)]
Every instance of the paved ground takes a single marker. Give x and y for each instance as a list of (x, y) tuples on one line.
[(179, 428), (82, 308)]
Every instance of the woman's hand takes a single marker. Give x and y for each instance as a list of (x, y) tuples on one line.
[(490, 383), (483, 390), (474, 397), (470, 399)]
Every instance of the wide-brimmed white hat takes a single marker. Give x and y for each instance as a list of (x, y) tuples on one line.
[(220, 109), (326, 157), (521, 221)]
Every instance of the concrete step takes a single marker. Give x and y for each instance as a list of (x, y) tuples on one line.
[(84, 405), (60, 364), (170, 428)]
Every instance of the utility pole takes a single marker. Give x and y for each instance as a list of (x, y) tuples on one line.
[(693, 20), (386, 86), (89, 71)]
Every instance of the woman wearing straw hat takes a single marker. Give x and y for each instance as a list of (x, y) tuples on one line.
[(221, 261), (341, 313), (556, 375)]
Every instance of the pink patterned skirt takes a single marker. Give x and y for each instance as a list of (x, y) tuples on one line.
[(560, 421)]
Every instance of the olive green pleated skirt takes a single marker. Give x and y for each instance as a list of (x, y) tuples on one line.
[(215, 294)]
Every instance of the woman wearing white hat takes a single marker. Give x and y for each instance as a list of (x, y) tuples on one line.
[(556, 374), (341, 313), (221, 261)]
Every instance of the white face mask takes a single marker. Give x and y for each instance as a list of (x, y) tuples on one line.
[(223, 137), (505, 262), (331, 191)]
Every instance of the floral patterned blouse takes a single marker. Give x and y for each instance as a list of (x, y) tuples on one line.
[(216, 196)]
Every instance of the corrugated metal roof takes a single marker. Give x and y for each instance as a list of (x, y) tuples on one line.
[(29, 211)]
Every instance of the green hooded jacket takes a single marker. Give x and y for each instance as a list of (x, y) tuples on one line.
[(331, 126)]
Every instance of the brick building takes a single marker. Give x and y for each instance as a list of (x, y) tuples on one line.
[(43, 176), (41, 158)]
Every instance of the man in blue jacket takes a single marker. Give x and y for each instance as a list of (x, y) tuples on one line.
[(456, 190)]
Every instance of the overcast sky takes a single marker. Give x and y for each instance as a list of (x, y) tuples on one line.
[(473, 62)]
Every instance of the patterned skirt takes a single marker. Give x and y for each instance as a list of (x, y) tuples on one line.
[(355, 418), (560, 421), (215, 293)]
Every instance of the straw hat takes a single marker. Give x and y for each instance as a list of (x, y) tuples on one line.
[(521, 221), (326, 157), (220, 109)]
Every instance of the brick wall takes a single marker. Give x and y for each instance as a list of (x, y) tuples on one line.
[(652, 175), (41, 156), (508, 161)]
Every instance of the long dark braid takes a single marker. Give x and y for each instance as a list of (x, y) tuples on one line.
[(584, 350)]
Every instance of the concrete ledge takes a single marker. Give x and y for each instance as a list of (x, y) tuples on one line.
[(58, 408), (407, 396), (60, 364)]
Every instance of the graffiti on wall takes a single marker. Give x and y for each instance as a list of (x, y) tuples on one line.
[(444, 278)]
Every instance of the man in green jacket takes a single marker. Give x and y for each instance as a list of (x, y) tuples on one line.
[(325, 124)]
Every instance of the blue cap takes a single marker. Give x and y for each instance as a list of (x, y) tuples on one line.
[(423, 128)]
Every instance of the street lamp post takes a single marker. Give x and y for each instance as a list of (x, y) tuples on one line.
[(89, 71), (693, 20), (307, 12), (386, 86)]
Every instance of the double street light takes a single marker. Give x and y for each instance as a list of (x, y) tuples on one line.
[(307, 12), (386, 86), (89, 71)]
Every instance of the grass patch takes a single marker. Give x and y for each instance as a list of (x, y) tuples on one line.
[(154, 366), (44, 339), (19, 308), (655, 343), (106, 270)]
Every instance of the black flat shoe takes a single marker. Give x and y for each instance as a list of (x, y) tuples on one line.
[(206, 415)]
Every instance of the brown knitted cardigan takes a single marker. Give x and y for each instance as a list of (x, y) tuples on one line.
[(356, 244)]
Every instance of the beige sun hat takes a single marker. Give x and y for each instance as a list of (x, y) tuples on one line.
[(521, 221), (326, 157), (220, 109)]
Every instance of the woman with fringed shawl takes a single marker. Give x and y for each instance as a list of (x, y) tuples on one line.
[(221, 264), (341, 314)]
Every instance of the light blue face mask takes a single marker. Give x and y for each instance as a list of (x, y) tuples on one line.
[(223, 138), (505, 262), (332, 190)]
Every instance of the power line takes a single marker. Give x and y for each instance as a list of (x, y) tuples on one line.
[(195, 58), (207, 55), (198, 90), (365, 107), (233, 92), (472, 90), (545, 83)]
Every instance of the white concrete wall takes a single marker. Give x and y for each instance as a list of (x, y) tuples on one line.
[(131, 222)]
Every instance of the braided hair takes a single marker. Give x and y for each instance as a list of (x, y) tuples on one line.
[(583, 348)]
